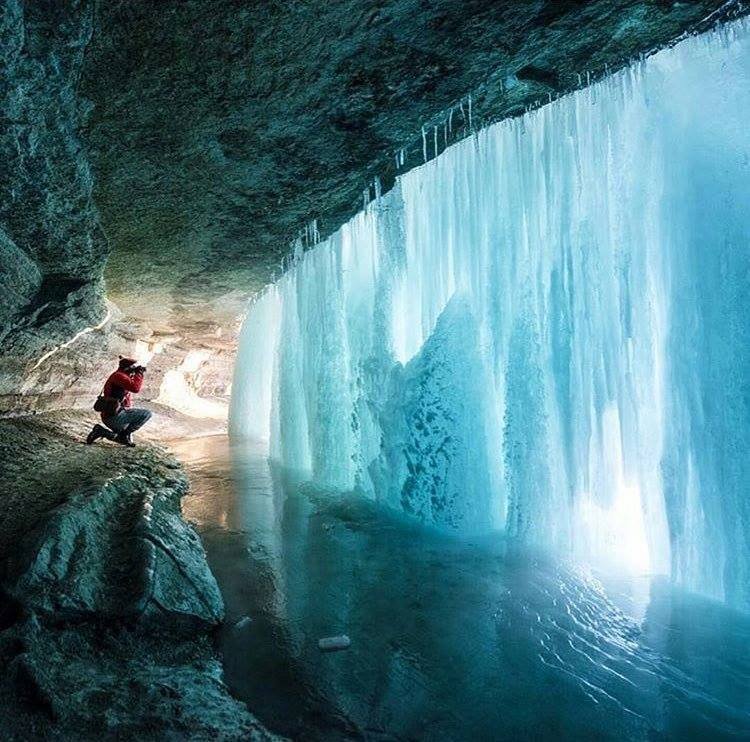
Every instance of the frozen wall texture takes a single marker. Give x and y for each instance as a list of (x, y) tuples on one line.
[(546, 329)]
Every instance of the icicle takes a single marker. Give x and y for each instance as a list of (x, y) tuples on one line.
[(470, 123), (435, 136), (533, 297)]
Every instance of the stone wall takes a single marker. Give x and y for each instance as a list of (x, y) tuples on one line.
[(52, 251)]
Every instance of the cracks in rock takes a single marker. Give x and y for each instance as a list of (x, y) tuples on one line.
[(93, 627), (197, 588)]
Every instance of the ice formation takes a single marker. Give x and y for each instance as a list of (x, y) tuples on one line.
[(546, 329)]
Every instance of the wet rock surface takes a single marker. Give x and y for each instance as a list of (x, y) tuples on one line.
[(108, 602), (117, 549)]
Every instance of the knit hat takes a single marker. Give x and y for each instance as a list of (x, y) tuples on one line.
[(126, 363)]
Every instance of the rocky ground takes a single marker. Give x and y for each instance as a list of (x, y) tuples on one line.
[(108, 604)]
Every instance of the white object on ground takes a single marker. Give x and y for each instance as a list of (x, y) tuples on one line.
[(334, 643)]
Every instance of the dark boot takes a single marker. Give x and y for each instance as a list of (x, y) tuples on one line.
[(97, 432), (125, 438)]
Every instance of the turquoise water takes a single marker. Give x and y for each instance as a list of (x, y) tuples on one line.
[(452, 639)]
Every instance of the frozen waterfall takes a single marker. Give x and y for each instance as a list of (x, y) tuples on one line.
[(546, 329)]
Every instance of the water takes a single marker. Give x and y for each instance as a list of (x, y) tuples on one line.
[(452, 638), (545, 330)]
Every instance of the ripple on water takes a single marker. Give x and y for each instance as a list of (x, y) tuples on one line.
[(451, 639)]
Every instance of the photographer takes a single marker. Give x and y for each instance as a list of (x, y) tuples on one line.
[(115, 405)]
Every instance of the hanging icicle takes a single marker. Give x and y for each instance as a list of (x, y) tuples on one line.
[(547, 333)]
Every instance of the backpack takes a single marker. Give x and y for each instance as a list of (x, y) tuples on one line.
[(108, 406)]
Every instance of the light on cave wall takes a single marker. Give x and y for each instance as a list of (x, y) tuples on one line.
[(68, 343), (178, 390), (145, 350)]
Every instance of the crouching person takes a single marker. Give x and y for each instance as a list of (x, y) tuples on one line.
[(116, 406)]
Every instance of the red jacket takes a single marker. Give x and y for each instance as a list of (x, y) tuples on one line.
[(120, 385)]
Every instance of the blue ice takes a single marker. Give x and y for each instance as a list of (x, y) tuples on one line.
[(544, 330)]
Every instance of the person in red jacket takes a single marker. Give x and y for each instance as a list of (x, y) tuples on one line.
[(125, 419)]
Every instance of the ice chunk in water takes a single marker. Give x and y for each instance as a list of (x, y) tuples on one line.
[(334, 643)]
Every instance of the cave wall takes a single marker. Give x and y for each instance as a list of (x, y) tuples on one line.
[(52, 252)]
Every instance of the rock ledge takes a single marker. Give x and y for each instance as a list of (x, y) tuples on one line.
[(109, 601)]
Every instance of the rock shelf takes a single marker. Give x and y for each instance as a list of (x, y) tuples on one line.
[(108, 601)]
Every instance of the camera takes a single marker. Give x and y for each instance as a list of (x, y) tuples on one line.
[(138, 369)]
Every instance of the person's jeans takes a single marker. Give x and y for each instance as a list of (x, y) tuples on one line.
[(132, 417)]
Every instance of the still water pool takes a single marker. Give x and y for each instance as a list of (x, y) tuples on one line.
[(452, 639)]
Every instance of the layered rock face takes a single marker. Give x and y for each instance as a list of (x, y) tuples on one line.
[(52, 252)]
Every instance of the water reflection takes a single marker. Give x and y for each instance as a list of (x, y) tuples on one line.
[(451, 639)]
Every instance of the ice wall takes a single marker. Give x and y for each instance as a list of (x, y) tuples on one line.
[(545, 329)]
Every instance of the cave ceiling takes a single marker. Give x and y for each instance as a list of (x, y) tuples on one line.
[(218, 129)]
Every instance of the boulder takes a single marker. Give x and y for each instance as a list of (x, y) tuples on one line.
[(117, 549)]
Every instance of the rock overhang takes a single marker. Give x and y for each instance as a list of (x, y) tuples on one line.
[(185, 144), (219, 131)]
